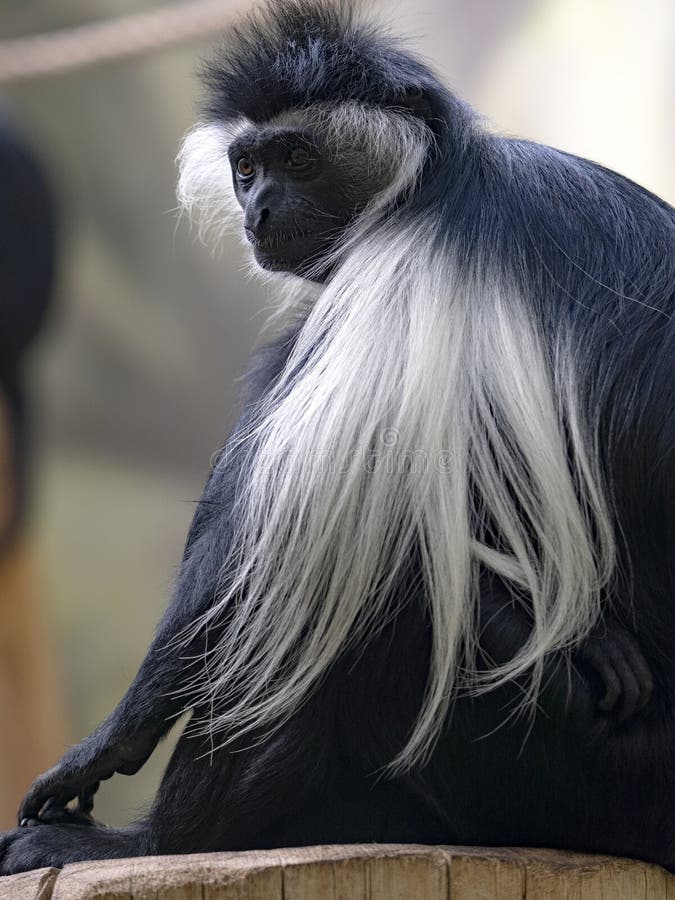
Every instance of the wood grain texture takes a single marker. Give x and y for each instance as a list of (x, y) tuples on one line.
[(37, 885), (355, 872)]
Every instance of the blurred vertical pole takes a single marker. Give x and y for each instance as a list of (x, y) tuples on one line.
[(32, 726), (31, 716)]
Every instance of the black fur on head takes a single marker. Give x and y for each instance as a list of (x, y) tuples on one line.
[(295, 53)]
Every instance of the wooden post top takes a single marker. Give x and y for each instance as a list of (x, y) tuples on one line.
[(352, 872)]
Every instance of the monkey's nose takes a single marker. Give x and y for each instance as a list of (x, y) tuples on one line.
[(254, 221)]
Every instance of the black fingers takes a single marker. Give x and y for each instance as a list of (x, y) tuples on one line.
[(79, 773), (85, 798), (63, 783), (52, 784), (627, 680)]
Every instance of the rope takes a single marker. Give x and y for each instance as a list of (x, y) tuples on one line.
[(86, 45)]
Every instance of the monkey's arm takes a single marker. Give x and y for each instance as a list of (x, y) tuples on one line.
[(127, 738)]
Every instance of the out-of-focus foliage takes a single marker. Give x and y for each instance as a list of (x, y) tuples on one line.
[(135, 383)]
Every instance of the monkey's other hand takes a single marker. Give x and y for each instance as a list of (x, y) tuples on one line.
[(57, 845), (76, 777), (24, 849), (627, 682)]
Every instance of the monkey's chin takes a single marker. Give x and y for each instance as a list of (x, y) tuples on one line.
[(273, 261), (276, 261)]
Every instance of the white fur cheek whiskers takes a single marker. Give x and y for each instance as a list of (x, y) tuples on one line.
[(205, 190)]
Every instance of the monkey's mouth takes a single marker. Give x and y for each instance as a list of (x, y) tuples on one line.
[(276, 239)]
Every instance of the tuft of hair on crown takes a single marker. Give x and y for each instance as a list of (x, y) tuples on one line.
[(420, 411)]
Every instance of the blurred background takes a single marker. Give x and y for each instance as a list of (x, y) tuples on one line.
[(108, 419)]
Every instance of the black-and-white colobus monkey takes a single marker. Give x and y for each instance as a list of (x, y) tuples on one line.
[(428, 593)]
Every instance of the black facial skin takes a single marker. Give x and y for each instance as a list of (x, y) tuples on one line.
[(296, 201)]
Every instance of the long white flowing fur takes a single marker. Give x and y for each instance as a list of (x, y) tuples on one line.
[(418, 404)]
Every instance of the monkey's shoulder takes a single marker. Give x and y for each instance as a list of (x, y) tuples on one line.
[(228, 462), (267, 364), (549, 172)]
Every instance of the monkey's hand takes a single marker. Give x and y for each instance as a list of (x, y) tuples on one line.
[(615, 656), (76, 777)]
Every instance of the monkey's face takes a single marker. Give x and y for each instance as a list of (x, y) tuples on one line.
[(297, 200)]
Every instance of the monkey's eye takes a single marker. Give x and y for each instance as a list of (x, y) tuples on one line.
[(299, 157), (245, 168)]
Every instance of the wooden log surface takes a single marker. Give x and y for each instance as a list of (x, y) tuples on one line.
[(354, 872)]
